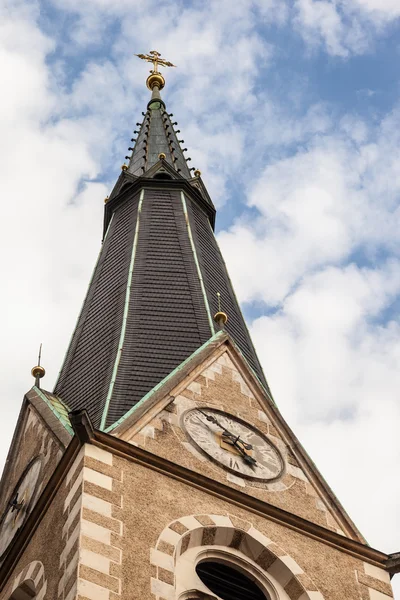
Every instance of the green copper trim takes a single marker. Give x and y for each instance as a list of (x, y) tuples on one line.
[(59, 416), (84, 300), (163, 381), (124, 318), (199, 273)]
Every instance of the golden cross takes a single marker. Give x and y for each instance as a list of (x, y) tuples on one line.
[(155, 58)]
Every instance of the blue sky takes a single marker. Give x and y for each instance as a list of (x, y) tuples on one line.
[(291, 111)]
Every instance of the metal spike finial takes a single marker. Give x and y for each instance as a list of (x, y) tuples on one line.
[(38, 372), (220, 317)]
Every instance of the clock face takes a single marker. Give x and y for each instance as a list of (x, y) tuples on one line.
[(234, 444), (19, 504)]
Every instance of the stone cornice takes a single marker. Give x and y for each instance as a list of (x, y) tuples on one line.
[(245, 501)]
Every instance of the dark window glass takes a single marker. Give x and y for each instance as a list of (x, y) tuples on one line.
[(228, 583)]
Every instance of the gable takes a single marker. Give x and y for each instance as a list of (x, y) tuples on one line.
[(223, 383), (42, 432)]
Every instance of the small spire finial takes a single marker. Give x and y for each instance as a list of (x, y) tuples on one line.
[(155, 78), (38, 372), (220, 317)]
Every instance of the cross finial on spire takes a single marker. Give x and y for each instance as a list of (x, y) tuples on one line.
[(155, 58), (155, 79)]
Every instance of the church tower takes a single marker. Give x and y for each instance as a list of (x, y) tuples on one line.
[(160, 467)]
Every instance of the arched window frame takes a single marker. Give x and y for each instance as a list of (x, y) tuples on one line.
[(30, 580), (186, 576), (231, 533)]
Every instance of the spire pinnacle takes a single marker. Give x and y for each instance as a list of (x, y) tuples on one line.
[(155, 79), (220, 317), (38, 372)]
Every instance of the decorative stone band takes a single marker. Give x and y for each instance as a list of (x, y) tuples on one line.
[(231, 532), (33, 572), (374, 583), (90, 563)]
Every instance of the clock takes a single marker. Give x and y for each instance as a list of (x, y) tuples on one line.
[(19, 504), (233, 444)]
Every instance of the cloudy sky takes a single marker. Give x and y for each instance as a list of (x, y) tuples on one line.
[(291, 109)]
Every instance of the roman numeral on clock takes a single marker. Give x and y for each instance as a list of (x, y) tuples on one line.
[(233, 463)]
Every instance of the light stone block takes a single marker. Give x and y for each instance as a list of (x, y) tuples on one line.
[(92, 591), (216, 367), (263, 417), (148, 431), (97, 504), (260, 537), (98, 454), (222, 520), (71, 541), (160, 588), (160, 559), (209, 373), (196, 537), (296, 472), (235, 479), (75, 464), (72, 593), (95, 561), (292, 565), (375, 595), (313, 596), (72, 514), (225, 361), (320, 505), (170, 536), (41, 594), (194, 387), (280, 572), (96, 532), (97, 478), (73, 491), (277, 486), (73, 564), (38, 577), (190, 522), (251, 547), (224, 536), (236, 376), (376, 572)]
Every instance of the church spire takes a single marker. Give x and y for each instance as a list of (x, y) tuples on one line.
[(156, 136), (155, 288)]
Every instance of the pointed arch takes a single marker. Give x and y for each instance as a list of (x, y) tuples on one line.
[(30, 582), (235, 535)]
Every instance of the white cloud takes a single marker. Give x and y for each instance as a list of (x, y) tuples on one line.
[(333, 368), (343, 27)]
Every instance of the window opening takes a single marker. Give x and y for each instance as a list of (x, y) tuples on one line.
[(228, 583), (26, 591)]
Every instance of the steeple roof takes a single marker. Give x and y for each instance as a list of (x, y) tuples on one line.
[(154, 291), (157, 137)]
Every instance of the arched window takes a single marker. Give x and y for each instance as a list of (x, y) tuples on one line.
[(210, 573), (25, 591), (228, 582), (162, 175)]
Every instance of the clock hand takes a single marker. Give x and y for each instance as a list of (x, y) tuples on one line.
[(226, 431), (233, 439), (15, 505)]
